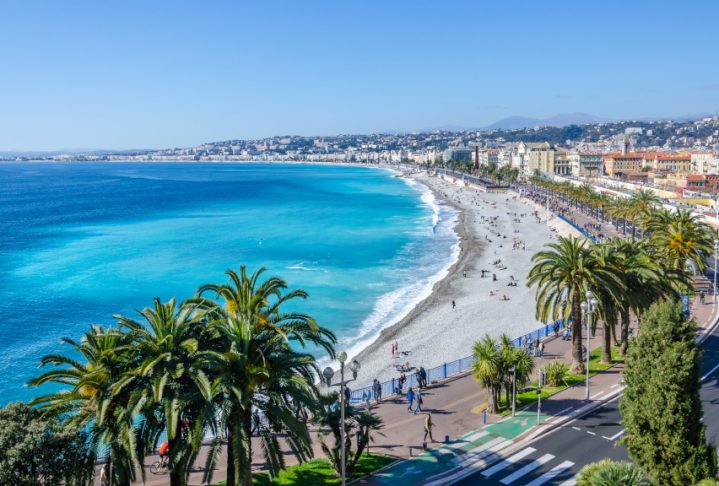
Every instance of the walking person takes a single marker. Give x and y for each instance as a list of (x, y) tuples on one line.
[(410, 399), (428, 426), (422, 377), (377, 390), (541, 349), (454, 305), (418, 401), (701, 297)]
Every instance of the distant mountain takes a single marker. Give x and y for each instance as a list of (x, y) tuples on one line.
[(562, 120)]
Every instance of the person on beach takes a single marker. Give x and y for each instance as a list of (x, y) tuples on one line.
[(418, 401), (410, 399), (454, 305), (428, 426)]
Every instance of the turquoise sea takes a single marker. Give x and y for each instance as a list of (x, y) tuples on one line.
[(82, 241)]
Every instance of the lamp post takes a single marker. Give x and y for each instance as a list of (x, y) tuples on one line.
[(328, 373), (588, 307), (716, 253), (514, 388)]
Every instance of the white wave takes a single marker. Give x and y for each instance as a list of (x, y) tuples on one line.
[(301, 266), (394, 305)]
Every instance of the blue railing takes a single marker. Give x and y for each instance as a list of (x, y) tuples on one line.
[(578, 228), (447, 370)]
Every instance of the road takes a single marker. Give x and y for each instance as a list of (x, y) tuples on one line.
[(557, 457)]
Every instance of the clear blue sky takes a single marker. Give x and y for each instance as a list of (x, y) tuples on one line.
[(153, 74)]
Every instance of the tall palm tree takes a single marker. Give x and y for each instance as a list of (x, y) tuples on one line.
[(88, 398), (682, 237), (170, 380), (260, 368), (487, 368), (563, 273)]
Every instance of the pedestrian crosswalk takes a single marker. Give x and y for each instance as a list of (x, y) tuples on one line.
[(528, 467)]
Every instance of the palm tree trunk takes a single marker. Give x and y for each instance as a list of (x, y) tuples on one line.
[(577, 361), (607, 348), (625, 332), (231, 481), (247, 424), (177, 472), (614, 333)]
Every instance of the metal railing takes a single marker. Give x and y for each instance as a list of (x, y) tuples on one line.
[(449, 369)]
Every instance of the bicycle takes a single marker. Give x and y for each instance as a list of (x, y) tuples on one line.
[(157, 466)]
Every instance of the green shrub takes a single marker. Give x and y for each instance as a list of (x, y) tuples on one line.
[(611, 473), (556, 372)]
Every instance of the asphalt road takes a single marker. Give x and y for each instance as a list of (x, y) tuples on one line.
[(557, 457)]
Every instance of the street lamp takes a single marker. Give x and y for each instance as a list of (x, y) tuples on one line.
[(716, 253), (588, 307), (513, 371), (328, 373)]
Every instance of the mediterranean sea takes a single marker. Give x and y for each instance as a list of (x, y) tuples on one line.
[(80, 242)]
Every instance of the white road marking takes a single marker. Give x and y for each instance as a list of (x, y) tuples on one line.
[(614, 385), (710, 372), (591, 433), (569, 482), (473, 453), (576, 428), (597, 395), (615, 436), (508, 462), (555, 471), (527, 469)]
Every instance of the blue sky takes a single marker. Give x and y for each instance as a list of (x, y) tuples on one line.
[(153, 74)]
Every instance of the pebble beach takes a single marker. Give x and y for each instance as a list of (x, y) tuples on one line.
[(499, 233)]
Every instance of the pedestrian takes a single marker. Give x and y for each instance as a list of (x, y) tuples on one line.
[(464, 274), (348, 394), (556, 329), (418, 401), (428, 426), (536, 346), (103, 475), (422, 377), (410, 399), (377, 391), (701, 297), (541, 349), (494, 277), (453, 305)]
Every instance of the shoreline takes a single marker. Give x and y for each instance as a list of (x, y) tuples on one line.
[(433, 332)]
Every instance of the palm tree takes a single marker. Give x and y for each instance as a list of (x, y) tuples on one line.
[(169, 381), (620, 208), (563, 274), (90, 402), (515, 361), (643, 203), (682, 237), (260, 369), (487, 368), (608, 302)]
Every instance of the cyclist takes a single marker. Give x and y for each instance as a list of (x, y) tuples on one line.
[(164, 453)]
